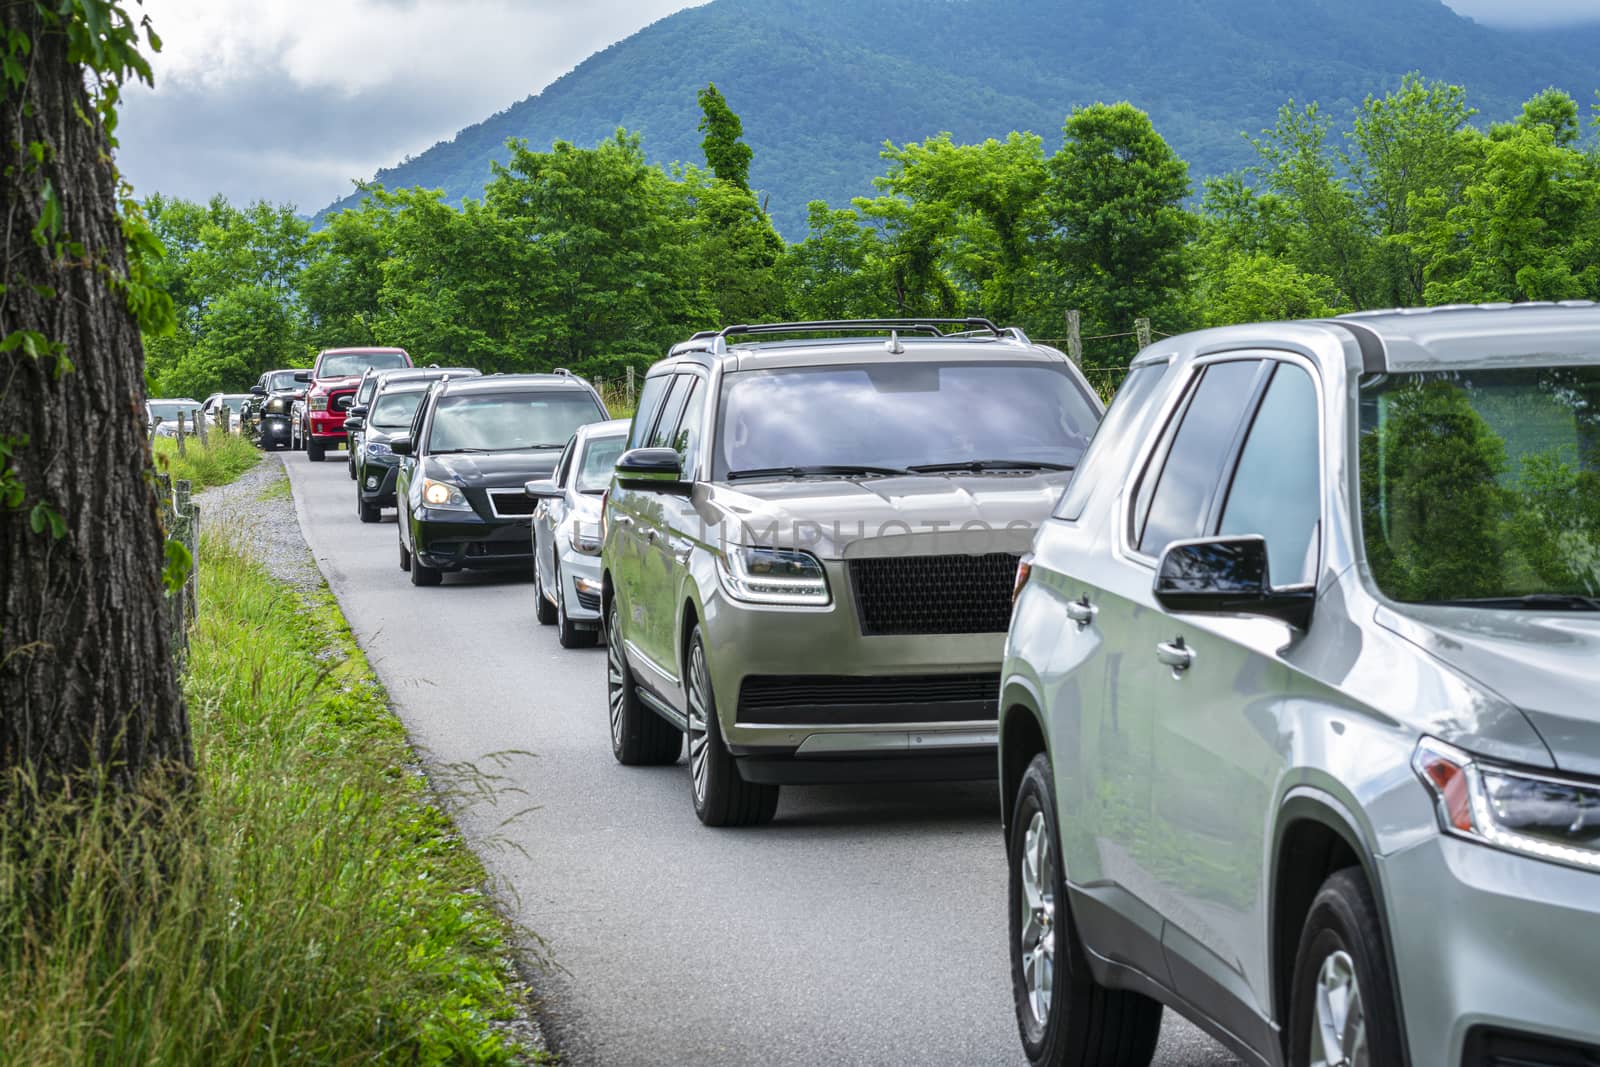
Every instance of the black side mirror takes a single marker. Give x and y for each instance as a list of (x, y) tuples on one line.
[(650, 468), (259, 390), (359, 411), (302, 376), (400, 446), (354, 422), (1228, 576)]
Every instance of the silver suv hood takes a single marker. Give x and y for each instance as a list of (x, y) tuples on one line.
[(933, 514), (1547, 665)]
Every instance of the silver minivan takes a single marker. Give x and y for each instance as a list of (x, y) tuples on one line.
[(1300, 711)]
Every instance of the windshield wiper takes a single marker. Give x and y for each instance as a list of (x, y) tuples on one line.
[(991, 465), (1534, 601), (823, 469), (454, 451), (532, 448)]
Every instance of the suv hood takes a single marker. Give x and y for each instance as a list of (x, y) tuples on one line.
[(493, 469), (1545, 664), (336, 383), (844, 518)]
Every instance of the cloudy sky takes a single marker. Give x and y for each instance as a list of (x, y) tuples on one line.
[(290, 100)]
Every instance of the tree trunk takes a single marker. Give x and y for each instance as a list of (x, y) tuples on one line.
[(87, 678)]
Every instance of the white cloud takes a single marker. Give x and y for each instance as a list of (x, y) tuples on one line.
[(243, 87)]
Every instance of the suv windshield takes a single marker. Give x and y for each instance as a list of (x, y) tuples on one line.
[(893, 416), (497, 422), (599, 458), (168, 409), (394, 410), (350, 364), (1483, 486), (281, 380)]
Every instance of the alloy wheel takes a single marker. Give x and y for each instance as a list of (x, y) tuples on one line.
[(699, 737), (1339, 1020), (1038, 904), (616, 676)]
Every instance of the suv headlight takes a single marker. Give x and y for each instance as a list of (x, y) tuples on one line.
[(444, 495), (377, 448), (585, 537), (773, 576), (319, 401), (1545, 816), (277, 405)]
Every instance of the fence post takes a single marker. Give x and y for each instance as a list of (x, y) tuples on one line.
[(630, 387), (225, 417), (188, 524), (1075, 337), (1141, 329), (180, 432), (200, 427)]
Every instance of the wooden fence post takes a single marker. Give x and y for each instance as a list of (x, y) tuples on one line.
[(200, 427), (630, 387), (180, 432), (1141, 329), (1075, 337)]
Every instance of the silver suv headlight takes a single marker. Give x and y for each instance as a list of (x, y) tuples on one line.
[(378, 448), (773, 576), (1545, 816)]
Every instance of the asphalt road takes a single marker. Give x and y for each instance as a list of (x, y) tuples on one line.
[(866, 925)]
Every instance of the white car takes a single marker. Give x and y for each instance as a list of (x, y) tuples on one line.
[(566, 532)]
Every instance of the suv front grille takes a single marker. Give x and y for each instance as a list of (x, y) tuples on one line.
[(934, 594), (822, 700), (511, 503)]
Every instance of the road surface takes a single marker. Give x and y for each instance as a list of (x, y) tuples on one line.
[(866, 925)]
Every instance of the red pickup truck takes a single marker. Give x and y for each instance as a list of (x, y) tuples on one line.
[(331, 386)]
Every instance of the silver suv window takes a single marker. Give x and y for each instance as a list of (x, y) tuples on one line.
[(1277, 487)]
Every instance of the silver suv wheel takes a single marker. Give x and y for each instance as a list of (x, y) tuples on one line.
[(1037, 871), (697, 689), (1339, 1026)]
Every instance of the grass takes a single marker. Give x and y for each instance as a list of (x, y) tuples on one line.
[(222, 459), (310, 905), (277, 489)]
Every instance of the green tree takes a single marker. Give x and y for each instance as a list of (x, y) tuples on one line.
[(726, 155), (1262, 288), (735, 251), (1121, 233), (840, 270)]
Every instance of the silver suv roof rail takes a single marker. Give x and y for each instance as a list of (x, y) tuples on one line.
[(717, 341)]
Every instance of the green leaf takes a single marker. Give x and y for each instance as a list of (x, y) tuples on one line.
[(179, 562), (43, 517)]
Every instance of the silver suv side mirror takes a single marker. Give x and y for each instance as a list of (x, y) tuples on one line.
[(1227, 576), (650, 468)]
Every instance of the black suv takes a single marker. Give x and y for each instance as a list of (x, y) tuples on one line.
[(276, 393), (473, 445)]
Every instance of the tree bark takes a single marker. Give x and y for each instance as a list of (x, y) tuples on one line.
[(87, 676)]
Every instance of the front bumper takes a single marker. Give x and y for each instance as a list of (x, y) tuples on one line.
[(1486, 940), (275, 430), (803, 696), (327, 426), (375, 482), (580, 586), (459, 540)]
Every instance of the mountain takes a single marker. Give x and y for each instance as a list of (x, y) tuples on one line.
[(821, 84)]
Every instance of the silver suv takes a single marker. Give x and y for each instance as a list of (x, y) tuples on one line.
[(809, 550), (1300, 731)]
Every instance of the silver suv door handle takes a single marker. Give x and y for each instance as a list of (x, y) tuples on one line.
[(1175, 654), (1081, 611)]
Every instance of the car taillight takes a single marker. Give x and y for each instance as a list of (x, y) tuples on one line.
[(1024, 569)]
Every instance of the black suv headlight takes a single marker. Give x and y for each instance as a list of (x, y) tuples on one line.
[(773, 576), (443, 495), (277, 406), (1549, 817)]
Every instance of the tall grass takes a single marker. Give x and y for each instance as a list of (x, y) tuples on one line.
[(306, 903), (220, 460)]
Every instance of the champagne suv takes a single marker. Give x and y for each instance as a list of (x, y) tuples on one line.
[(809, 548), (1299, 732)]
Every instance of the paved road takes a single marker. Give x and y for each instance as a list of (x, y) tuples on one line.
[(864, 926)]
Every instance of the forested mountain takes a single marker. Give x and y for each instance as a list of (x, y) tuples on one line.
[(821, 84)]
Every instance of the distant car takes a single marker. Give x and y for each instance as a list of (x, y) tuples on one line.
[(162, 415), (1299, 731), (331, 387), (473, 446), (566, 533), (810, 547), (369, 386), (235, 403), (276, 394), (372, 425)]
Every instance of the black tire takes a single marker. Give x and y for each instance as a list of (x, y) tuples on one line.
[(543, 610), (405, 556), (720, 793), (639, 737), (569, 633), (368, 512), (316, 452), (1082, 1023), (423, 575), (1342, 929), (351, 465)]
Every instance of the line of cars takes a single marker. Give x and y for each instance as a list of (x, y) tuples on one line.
[(1286, 668)]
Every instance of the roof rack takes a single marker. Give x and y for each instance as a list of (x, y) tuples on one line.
[(931, 327)]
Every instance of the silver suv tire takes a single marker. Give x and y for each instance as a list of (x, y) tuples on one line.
[(639, 737), (1342, 1003), (1066, 1018), (721, 795)]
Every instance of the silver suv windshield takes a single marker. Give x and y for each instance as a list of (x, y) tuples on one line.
[(599, 459), (892, 417), (1483, 487), (395, 408), (500, 422)]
